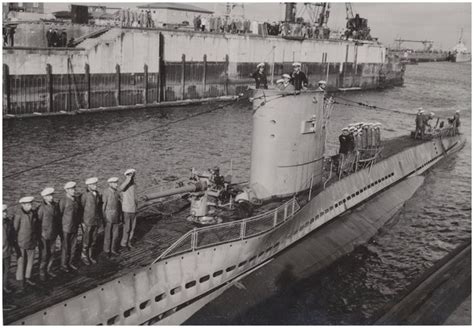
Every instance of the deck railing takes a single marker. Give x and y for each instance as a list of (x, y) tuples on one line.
[(231, 231)]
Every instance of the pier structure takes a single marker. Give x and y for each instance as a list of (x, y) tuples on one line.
[(140, 66)]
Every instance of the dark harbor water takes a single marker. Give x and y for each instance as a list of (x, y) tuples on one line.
[(165, 145)]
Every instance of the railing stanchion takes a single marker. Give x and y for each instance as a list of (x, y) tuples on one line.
[(285, 211), (293, 206), (275, 217), (242, 230), (194, 239)]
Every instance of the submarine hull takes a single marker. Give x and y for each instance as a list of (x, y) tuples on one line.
[(171, 290)]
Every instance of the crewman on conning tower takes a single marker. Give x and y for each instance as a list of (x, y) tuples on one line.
[(298, 78), (260, 77)]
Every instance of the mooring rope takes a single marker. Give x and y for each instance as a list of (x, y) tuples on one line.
[(92, 149)]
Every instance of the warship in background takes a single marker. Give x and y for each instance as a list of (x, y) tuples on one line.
[(410, 56), (460, 53), (287, 221)]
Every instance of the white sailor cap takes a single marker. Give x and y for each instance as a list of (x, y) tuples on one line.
[(69, 185), (25, 200), (280, 81), (296, 64), (458, 111), (422, 111), (130, 171), (345, 129), (432, 114), (91, 180), (4, 206), (113, 179), (287, 76), (47, 191), (261, 65), (322, 82)]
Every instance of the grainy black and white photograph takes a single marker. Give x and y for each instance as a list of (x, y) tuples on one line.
[(236, 163)]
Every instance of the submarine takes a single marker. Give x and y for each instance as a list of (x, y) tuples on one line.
[(216, 247)]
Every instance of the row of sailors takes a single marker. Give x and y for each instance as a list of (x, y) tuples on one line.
[(358, 136), (422, 122), (31, 227)]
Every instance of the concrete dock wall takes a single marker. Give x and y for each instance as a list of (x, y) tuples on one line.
[(33, 34), (143, 66)]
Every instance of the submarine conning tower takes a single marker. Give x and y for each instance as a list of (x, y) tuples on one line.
[(287, 143)]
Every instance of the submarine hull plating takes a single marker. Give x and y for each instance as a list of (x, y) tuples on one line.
[(171, 290)]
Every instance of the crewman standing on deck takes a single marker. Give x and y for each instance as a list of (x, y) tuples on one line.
[(346, 142), (69, 211), (455, 122), (8, 246), (419, 124), (25, 222), (298, 78), (112, 211), (260, 77), (426, 119), (129, 207), (91, 219), (50, 222)]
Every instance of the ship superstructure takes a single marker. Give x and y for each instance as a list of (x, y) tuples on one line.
[(460, 53), (291, 195)]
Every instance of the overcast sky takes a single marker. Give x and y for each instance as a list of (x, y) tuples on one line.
[(439, 22)]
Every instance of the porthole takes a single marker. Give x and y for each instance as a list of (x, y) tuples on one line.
[(336, 205), (230, 268), (111, 321), (204, 279), (160, 297), (217, 273), (129, 312), (145, 304), (190, 284), (241, 264), (252, 258), (175, 290)]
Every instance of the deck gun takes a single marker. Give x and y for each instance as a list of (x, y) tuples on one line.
[(207, 190)]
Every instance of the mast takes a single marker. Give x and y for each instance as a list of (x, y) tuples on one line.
[(290, 12)]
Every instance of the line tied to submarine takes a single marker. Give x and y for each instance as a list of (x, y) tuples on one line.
[(361, 104), (113, 141)]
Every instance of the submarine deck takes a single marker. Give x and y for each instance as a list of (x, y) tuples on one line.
[(155, 232)]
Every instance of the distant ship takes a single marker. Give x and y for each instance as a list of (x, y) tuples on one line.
[(287, 221), (460, 53)]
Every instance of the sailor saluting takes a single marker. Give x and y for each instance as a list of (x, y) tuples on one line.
[(260, 77)]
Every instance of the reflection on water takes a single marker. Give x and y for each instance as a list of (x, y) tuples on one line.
[(433, 222)]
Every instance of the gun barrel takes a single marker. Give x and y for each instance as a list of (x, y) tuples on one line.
[(198, 186)]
